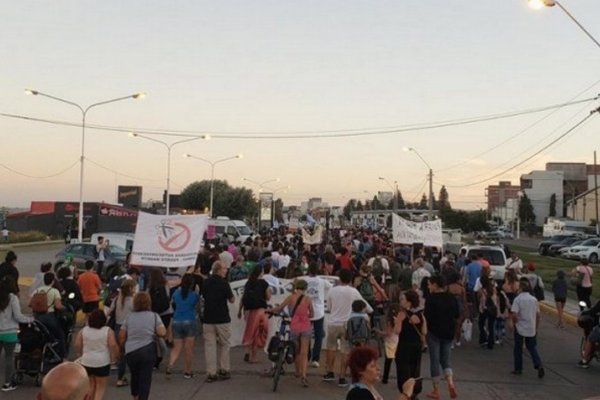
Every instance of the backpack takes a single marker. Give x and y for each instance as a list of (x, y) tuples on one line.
[(378, 270), (160, 299), (237, 273), (39, 302), (357, 330), (490, 307), (538, 291), (366, 290)]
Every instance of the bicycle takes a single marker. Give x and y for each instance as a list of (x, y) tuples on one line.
[(281, 349)]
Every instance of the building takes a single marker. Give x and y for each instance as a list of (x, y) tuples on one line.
[(583, 207), (575, 178), (497, 195), (508, 212), (539, 186)]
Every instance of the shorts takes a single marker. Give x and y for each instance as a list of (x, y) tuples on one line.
[(90, 306), (297, 335), (184, 329), (560, 300), (100, 372), (335, 332), (594, 336)]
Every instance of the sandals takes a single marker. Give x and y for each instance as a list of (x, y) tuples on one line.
[(304, 382), (452, 391)]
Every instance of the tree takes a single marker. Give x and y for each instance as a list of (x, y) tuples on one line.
[(401, 204), (526, 214), (552, 212), (423, 205), (359, 206), (443, 202), (348, 208), (236, 203), (375, 203)]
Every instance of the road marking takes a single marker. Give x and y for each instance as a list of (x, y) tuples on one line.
[(25, 281)]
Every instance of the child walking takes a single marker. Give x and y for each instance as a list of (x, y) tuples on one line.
[(559, 288)]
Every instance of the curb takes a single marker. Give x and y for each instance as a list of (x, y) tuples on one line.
[(567, 317), (10, 246)]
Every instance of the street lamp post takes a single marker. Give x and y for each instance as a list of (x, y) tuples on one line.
[(169, 147), (430, 214), (395, 188), (84, 112), (537, 4), (519, 195), (212, 173)]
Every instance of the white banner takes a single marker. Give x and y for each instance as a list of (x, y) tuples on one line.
[(168, 240), (407, 232), (238, 324), (315, 238)]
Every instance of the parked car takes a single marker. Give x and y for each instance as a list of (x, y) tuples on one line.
[(562, 252), (82, 252), (588, 250), (553, 250), (544, 245), (495, 255)]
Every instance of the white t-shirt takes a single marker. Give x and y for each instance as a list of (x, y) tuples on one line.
[(418, 275), (274, 283), (226, 258), (514, 264), (526, 307), (316, 290), (340, 300), (51, 293)]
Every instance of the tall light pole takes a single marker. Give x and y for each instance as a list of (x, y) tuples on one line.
[(537, 4), (169, 147), (430, 214), (519, 196), (395, 188), (84, 112), (212, 173)]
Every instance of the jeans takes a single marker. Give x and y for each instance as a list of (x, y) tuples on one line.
[(319, 334), (531, 345), (217, 347), (488, 336), (439, 354), (121, 364), (9, 349), (141, 363)]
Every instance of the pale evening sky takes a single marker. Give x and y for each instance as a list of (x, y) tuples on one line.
[(281, 66)]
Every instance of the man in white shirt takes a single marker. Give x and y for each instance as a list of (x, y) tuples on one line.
[(514, 262), (225, 256), (525, 314), (317, 289), (340, 300), (419, 273)]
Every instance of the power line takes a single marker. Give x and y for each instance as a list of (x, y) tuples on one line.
[(121, 174), (572, 129), (307, 134), (39, 177)]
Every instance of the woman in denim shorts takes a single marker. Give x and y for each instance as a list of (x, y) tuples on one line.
[(301, 311), (184, 325)]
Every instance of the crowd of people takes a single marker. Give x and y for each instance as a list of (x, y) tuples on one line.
[(390, 303)]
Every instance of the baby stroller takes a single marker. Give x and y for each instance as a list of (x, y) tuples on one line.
[(36, 353)]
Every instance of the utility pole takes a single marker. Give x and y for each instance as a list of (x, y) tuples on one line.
[(430, 214), (596, 192)]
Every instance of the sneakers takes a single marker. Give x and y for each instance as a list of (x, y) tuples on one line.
[(212, 378), (223, 375), (188, 375), (329, 377), (9, 386), (583, 364), (342, 382), (541, 372), (314, 364)]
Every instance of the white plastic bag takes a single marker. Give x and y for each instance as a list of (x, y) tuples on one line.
[(467, 330)]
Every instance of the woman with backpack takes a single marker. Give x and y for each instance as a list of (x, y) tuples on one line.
[(253, 305), (583, 282), (10, 318), (300, 327)]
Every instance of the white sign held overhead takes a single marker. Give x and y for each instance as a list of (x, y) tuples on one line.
[(168, 240), (407, 232)]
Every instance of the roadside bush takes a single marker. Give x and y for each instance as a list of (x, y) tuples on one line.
[(29, 236)]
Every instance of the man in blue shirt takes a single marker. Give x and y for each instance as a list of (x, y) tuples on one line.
[(472, 272)]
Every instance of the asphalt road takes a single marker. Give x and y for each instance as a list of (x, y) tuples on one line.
[(480, 374)]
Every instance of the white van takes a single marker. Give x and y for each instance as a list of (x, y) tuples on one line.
[(123, 240), (233, 228)]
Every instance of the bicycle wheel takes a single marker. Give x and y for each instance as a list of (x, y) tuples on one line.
[(278, 367)]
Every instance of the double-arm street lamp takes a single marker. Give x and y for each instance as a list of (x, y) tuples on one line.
[(84, 111), (212, 173), (261, 185), (169, 147), (430, 214), (395, 189), (537, 4)]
